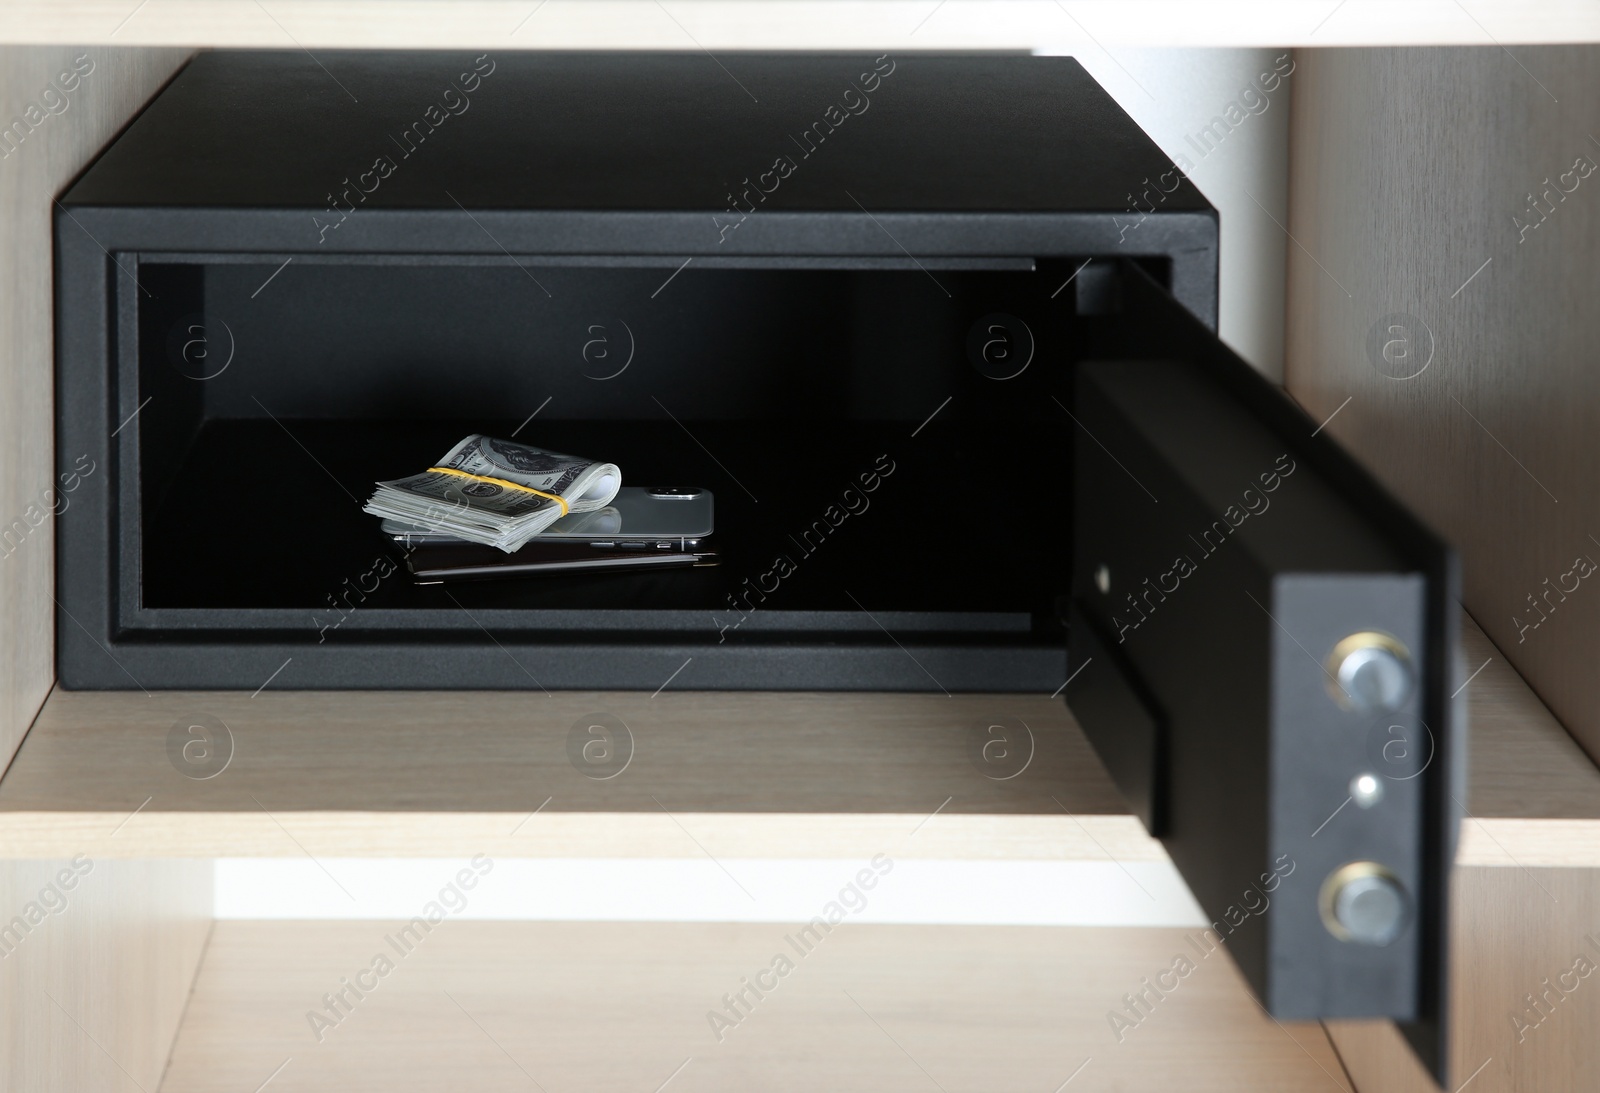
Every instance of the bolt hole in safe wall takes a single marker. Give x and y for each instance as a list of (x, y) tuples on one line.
[(797, 372)]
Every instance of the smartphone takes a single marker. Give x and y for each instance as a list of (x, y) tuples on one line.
[(639, 517), (436, 563)]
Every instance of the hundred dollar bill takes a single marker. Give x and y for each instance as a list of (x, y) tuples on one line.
[(606, 521), (496, 492)]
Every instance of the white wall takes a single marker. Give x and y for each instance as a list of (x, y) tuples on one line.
[(1172, 94), (907, 890)]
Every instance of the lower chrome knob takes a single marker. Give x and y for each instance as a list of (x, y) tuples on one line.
[(1364, 903)]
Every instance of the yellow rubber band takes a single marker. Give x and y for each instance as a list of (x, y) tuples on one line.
[(502, 482)]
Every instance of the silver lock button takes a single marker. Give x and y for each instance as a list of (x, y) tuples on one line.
[(1364, 903), (1370, 672)]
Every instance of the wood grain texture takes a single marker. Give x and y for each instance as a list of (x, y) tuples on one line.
[(91, 994), (1524, 1015), (502, 1006), (1377, 1058), (488, 751), (744, 775), (1517, 929), (1407, 168), (1533, 795), (586, 835), (792, 24), (416, 774), (50, 135), (1523, 763), (1409, 171)]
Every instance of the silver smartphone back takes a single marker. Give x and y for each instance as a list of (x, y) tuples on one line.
[(683, 513), (643, 512)]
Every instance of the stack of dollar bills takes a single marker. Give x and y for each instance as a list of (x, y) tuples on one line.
[(496, 492)]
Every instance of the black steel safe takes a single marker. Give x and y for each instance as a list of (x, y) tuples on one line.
[(939, 333)]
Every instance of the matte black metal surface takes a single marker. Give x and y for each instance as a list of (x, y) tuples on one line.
[(813, 326), (634, 131), (1240, 549), (410, 308), (258, 166), (1116, 714)]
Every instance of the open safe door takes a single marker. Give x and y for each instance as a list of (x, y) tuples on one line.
[(1262, 649)]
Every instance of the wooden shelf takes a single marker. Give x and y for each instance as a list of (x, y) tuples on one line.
[(423, 774), (399, 774), (790, 24), (500, 1006), (1533, 795)]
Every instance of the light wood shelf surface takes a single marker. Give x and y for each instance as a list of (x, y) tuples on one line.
[(422, 774), (104, 977), (425, 774), (1073, 25), (1533, 795), (598, 1007)]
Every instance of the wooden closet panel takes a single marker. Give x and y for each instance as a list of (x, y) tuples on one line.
[(1419, 216), (52, 128)]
